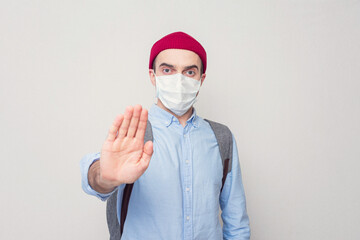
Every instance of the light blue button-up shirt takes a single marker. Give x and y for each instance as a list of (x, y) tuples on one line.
[(178, 196)]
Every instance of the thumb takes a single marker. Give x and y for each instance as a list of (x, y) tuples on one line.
[(147, 153), (148, 148)]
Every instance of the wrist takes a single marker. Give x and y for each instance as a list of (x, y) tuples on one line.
[(104, 184), (99, 184)]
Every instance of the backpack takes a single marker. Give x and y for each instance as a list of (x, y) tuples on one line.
[(224, 138)]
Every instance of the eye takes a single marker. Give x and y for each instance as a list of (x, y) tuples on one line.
[(190, 73), (166, 70)]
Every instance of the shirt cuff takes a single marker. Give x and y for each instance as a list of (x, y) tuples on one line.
[(85, 164)]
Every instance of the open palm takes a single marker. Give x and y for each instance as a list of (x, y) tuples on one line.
[(124, 156)]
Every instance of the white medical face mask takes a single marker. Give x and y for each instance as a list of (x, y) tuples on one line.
[(177, 92)]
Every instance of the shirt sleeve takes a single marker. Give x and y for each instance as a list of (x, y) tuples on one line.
[(85, 164), (233, 204)]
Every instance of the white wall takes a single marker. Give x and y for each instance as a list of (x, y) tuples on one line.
[(283, 75)]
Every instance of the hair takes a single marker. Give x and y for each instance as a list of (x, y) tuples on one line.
[(201, 67)]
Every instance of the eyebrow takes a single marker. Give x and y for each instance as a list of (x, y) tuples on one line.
[(172, 66), (190, 67), (167, 65)]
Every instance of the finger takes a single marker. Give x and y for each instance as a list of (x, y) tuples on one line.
[(147, 153), (115, 127), (134, 121), (125, 124), (140, 133)]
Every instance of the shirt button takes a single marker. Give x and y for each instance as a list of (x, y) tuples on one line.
[(187, 217), (187, 189), (187, 161)]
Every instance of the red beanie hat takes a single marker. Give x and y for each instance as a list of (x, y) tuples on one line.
[(178, 40)]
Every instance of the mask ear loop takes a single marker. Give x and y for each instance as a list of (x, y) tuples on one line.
[(197, 94), (156, 89)]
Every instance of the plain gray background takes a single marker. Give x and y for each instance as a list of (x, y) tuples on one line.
[(283, 75)]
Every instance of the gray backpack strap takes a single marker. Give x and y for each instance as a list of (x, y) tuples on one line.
[(111, 216), (116, 229), (225, 141)]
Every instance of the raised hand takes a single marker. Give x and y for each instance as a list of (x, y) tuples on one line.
[(124, 156)]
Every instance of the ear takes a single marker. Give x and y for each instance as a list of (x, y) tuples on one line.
[(152, 76), (202, 78)]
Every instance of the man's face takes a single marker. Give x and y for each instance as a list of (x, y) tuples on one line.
[(173, 61)]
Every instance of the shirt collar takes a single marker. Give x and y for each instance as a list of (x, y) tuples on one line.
[(167, 118)]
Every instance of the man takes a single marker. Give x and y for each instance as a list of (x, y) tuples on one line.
[(177, 177)]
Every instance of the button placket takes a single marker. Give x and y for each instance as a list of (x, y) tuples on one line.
[(187, 185)]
